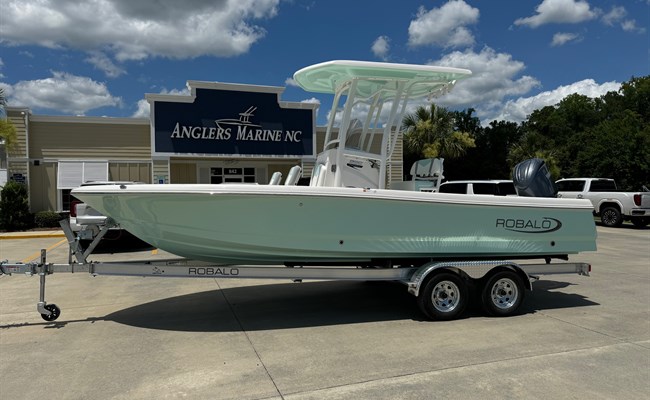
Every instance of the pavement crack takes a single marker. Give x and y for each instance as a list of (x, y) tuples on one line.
[(621, 340), (241, 327), (451, 368)]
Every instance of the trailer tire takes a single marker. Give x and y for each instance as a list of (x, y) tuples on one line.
[(444, 297), (503, 293), (611, 216)]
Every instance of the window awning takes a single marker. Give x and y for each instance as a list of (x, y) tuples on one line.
[(72, 174)]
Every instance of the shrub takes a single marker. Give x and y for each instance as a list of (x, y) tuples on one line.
[(14, 207), (47, 219)]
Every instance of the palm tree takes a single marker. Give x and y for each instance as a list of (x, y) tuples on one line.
[(3, 103), (534, 145), (8, 135), (431, 132)]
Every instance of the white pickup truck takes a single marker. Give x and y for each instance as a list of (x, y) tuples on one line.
[(611, 205)]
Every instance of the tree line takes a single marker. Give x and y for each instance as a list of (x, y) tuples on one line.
[(606, 137)]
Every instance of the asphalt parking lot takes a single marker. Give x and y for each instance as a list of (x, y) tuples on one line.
[(140, 338)]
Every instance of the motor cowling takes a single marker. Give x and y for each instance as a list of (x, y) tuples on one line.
[(533, 179)]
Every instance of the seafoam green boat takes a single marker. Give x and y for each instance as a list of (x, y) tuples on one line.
[(346, 224), (346, 216)]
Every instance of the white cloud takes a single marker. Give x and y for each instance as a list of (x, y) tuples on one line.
[(62, 92), (519, 109), (444, 26), (381, 47), (359, 111), (630, 26), (559, 11), (103, 63), (614, 16), (312, 100), (495, 76), (143, 108), (562, 38), (177, 92), (291, 82), (1, 65), (617, 16), (134, 30)]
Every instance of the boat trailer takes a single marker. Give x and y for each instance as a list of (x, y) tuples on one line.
[(441, 287)]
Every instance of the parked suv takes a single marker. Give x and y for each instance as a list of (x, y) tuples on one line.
[(486, 187)]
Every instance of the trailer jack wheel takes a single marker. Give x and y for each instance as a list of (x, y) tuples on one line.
[(54, 312)]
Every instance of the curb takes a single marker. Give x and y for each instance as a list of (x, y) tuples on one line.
[(31, 235)]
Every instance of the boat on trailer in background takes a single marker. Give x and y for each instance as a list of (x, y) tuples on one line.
[(346, 224)]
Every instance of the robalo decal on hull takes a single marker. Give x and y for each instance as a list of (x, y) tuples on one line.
[(545, 225)]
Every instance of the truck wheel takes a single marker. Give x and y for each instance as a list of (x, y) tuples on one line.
[(503, 293), (444, 296), (610, 216), (641, 222)]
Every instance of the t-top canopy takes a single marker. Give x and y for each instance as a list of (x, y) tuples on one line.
[(421, 80)]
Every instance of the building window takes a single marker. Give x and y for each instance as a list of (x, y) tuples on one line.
[(72, 174)]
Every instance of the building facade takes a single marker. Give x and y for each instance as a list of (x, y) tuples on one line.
[(220, 133)]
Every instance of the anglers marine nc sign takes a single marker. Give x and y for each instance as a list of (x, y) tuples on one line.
[(228, 120)]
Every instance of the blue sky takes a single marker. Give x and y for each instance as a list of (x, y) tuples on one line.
[(100, 58)]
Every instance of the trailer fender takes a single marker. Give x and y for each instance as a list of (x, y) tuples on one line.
[(474, 270)]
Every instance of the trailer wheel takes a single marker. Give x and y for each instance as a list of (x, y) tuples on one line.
[(444, 296), (611, 217), (56, 311), (503, 293)]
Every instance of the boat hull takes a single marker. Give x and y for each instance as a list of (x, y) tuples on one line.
[(293, 225)]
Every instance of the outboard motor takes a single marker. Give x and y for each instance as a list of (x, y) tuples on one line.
[(533, 179)]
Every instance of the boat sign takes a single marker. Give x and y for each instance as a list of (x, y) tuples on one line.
[(544, 225), (225, 119)]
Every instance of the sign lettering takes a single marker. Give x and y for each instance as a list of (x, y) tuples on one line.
[(233, 122), (545, 225)]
